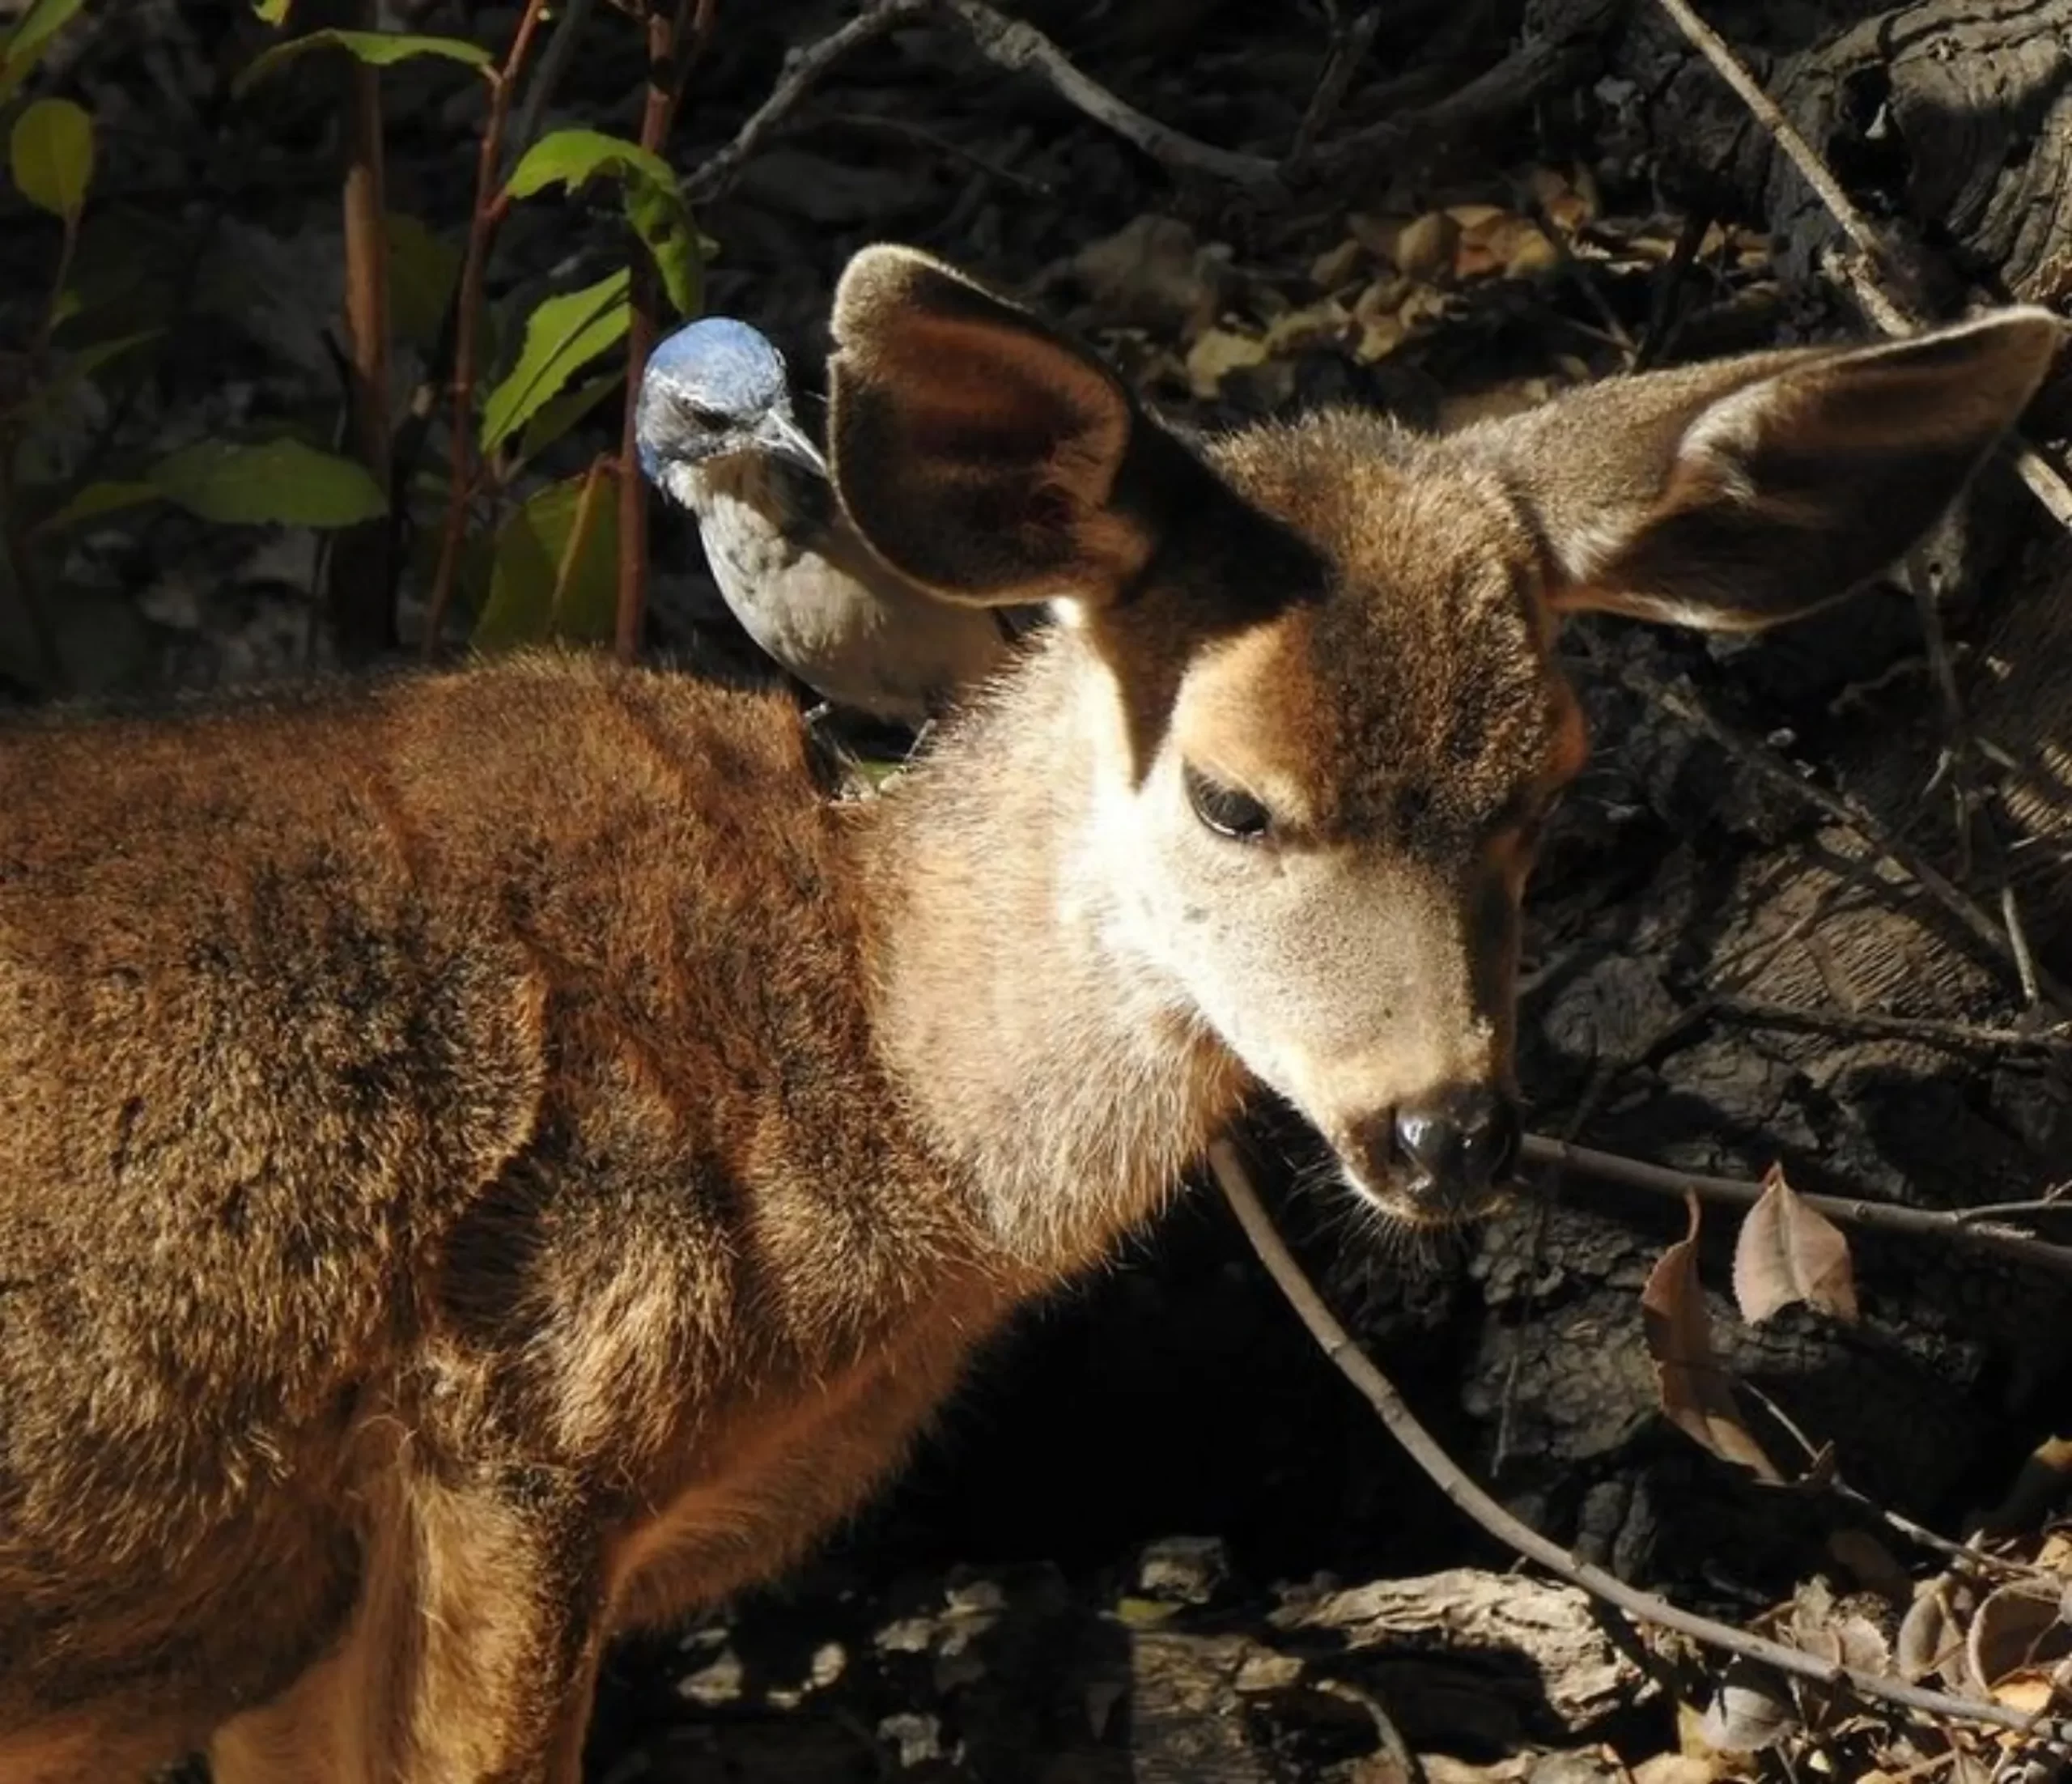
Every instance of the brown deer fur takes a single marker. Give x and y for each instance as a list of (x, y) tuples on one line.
[(488, 1157)]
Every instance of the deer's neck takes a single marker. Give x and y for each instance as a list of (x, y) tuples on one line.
[(1065, 1080)]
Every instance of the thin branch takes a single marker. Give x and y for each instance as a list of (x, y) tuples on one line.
[(1862, 277), (482, 230), (1350, 41), (1950, 1229), (803, 68), (1021, 49), (1871, 1024), (904, 131), (1008, 44), (1338, 1345), (1764, 110), (1538, 67)]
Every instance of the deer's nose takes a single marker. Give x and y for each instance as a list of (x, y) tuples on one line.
[(1466, 1139)]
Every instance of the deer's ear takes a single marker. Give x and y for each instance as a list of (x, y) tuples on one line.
[(1733, 496), (977, 451)]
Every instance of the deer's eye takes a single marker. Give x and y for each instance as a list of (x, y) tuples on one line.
[(1225, 810)]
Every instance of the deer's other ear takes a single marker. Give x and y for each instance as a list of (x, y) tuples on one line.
[(1733, 496), (977, 451)]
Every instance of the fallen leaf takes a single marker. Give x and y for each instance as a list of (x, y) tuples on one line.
[(1337, 266), (1531, 254), (1424, 248), (1310, 326), (1379, 235), (1750, 1710), (1675, 1769), (1788, 1252), (1930, 1643), (1218, 353), (1696, 1396), (2017, 1635)]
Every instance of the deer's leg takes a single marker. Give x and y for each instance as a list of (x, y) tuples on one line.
[(470, 1657)]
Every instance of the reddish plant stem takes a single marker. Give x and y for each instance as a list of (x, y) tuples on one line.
[(490, 206), (359, 592), (665, 32)]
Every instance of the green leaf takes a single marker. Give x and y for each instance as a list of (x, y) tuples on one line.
[(654, 200), (25, 42), (422, 268), (562, 336), (75, 369), (280, 482), (557, 417), (379, 49), (51, 154), (556, 574), (573, 157), (662, 220), (93, 500), (273, 12)]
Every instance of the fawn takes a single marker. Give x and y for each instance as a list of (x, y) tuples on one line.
[(491, 1158)]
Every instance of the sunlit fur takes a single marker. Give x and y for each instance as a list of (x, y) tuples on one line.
[(492, 1157)]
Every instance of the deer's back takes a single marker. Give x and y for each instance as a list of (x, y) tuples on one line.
[(467, 1056)]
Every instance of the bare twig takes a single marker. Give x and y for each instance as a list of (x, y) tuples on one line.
[(802, 69), (1020, 49), (1866, 278), (1647, 1608), (1539, 66), (1952, 1229), (1350, 41), (1874, 1026), (482, 222), (1007, 44), (905, 131), (1763, 109)]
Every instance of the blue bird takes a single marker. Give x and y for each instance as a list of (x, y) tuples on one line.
[(715, 432)]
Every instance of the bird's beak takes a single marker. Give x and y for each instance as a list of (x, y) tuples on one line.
[(785, 439)]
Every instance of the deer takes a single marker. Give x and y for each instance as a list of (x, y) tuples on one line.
[(498, 1155)]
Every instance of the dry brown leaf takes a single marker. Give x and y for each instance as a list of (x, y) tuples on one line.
[(1476, 217), (1379, 329), (1424, 247), (1377, 234), (1787, 1252), (1563, 205), (1677, 1768), (1531, 255), (1314, 324), (1696, 1396), (2018, 1635), (1750, 1709), (1337, 266), (1930, 1643), (1217, 353)]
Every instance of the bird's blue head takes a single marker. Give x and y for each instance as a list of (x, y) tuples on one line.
[(716, 386)]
